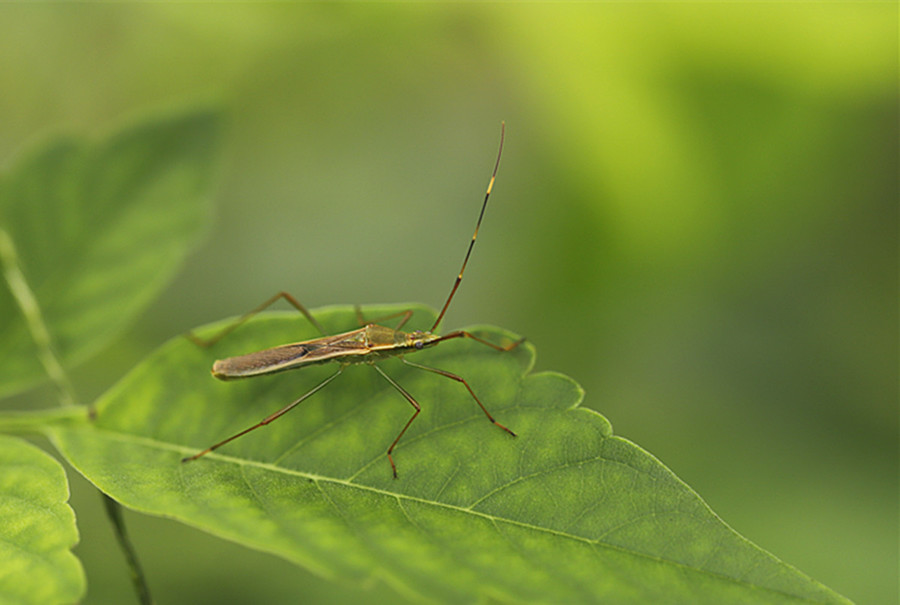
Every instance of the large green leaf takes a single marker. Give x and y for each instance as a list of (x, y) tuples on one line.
[(37, 529), (98, 228), (566, 512)]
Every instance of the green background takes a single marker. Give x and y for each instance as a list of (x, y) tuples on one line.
[(695, 217)]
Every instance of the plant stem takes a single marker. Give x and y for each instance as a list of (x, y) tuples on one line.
[(18, 285), (33, 421), (24, 421), (114, 512)]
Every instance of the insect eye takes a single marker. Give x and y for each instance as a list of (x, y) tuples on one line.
[(419, 344)]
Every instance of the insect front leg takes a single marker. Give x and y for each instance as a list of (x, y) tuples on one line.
[(496, 347), (208, 342)]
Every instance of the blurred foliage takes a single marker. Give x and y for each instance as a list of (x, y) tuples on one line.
[(97, 228), (695, 217), (38, 529)]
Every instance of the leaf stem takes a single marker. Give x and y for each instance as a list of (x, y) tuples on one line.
[(18, 285), (35, 421), (29, 421), (138, 580)]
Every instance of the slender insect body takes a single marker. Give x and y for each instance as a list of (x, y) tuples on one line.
[(367, 344), (288, 357)]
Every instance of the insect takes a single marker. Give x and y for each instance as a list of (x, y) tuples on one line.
[(367, 344)]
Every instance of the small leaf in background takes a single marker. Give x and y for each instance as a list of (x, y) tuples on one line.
[(37, 529), (566, 512), (99, 227)]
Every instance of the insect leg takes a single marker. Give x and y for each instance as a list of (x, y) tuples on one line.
[(462, 380), (269, 418), (208, 342), (464, 334), (412, 402), (363, 321)]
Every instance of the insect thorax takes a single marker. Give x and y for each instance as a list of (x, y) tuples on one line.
[(388, 339)]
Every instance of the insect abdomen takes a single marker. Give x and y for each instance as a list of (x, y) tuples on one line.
[(259, 363)]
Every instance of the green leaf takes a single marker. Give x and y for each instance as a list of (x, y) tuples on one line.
[(38, 529), (566, 512), (98, 228)]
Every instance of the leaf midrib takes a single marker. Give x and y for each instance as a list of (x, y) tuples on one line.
[(163, 445)]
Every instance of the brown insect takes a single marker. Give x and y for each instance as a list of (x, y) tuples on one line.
[(367, 344)]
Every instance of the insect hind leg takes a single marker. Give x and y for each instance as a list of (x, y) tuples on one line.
[(268, 419), (208, 342)]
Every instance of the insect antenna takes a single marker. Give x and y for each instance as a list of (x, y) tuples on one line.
[(474, 235)]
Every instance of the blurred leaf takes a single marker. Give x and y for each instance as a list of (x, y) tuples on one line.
[(38, 529), (99, 228), (564, 513)]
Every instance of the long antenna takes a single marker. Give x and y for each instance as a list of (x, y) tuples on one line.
[(474, 235)]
